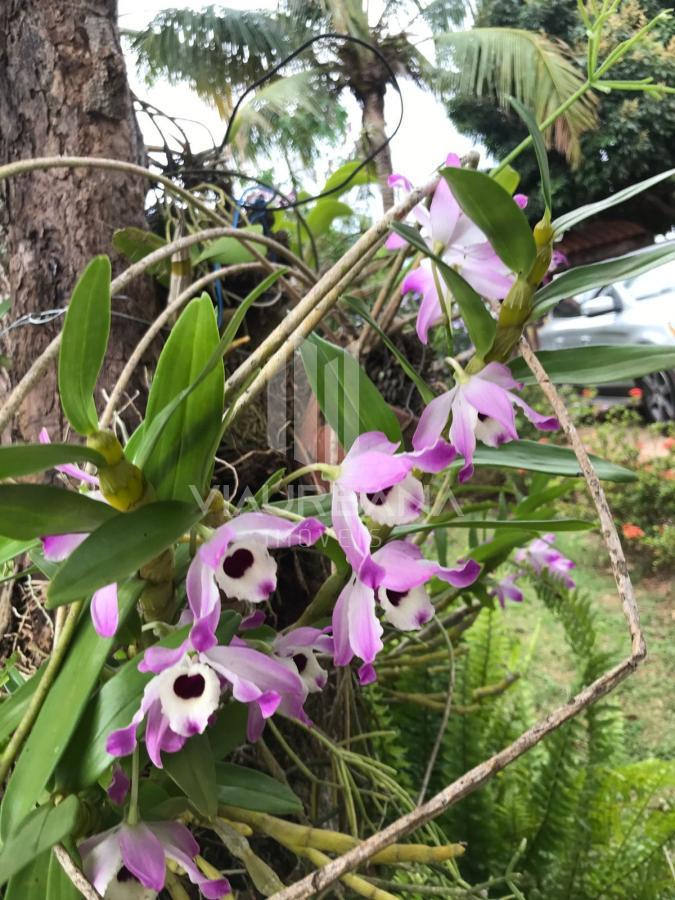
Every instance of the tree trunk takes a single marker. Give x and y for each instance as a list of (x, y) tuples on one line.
[(63, 90), (375, 131)]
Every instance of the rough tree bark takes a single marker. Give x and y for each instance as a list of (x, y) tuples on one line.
[(64, 90)]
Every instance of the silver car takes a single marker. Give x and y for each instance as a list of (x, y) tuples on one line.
[(640, 310)]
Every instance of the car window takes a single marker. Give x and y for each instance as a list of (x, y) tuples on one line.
[(651, 284)]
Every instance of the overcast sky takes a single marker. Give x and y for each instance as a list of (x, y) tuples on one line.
[(425, 138)]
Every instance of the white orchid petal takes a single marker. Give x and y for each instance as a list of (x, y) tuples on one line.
[(247, 571), (398, 505)]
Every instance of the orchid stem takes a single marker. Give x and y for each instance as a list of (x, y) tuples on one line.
[(132, 815), (442, 728), (41, 691), (445, 303), (324, 468), (306, 771)]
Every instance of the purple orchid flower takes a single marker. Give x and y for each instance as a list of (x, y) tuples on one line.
[(389, 493), (57, 547), (237, 561), (450, 234), (299, 648), (104, 607), (541, 556), (119, 786), (559, 261), (185, 693), (128, 856), (482, 408), (402, 595), (67, 468), (506, 588)]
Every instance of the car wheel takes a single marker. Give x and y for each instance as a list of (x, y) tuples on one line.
[(658, 396)]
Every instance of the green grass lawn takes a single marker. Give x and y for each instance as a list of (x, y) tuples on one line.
[(647, 697)]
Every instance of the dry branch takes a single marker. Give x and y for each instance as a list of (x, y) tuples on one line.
[(479, 775), (76, 875), (39, 367), (167, 313), (317, 298)]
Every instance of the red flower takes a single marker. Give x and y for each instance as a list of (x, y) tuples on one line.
[(631, 532), (635, 392)]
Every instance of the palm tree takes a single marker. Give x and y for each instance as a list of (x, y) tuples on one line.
[(221, 51)]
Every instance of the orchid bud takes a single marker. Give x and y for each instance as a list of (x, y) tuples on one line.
[(517, 304), (158, 602), (543, 238), (216, 515), (122, 485), (105, 443), (121, 482)]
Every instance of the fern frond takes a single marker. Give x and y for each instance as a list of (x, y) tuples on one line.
[(506, 62), (634, 815), (554, 796)]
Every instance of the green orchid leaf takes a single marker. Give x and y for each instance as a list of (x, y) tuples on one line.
[(229, 730), (143, 443), (535, 457), (15, 705), (534, 525), (585, 278), (10, 549), (494, 211), (250, 789), (187, 402), (29, 511), (193, 769), (348, 399), (479, 323), (570, 219), (324, 213), (598, 365), (539, 149), (31, 881), (477, 318), (83, 345), (25, 459), (229, 251), (120, 547), (60, 715), (43, 828), (136, 244)]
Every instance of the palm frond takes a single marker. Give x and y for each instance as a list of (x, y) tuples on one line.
[(293, 112), (442, 15), (506, 62), (215, 47)]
